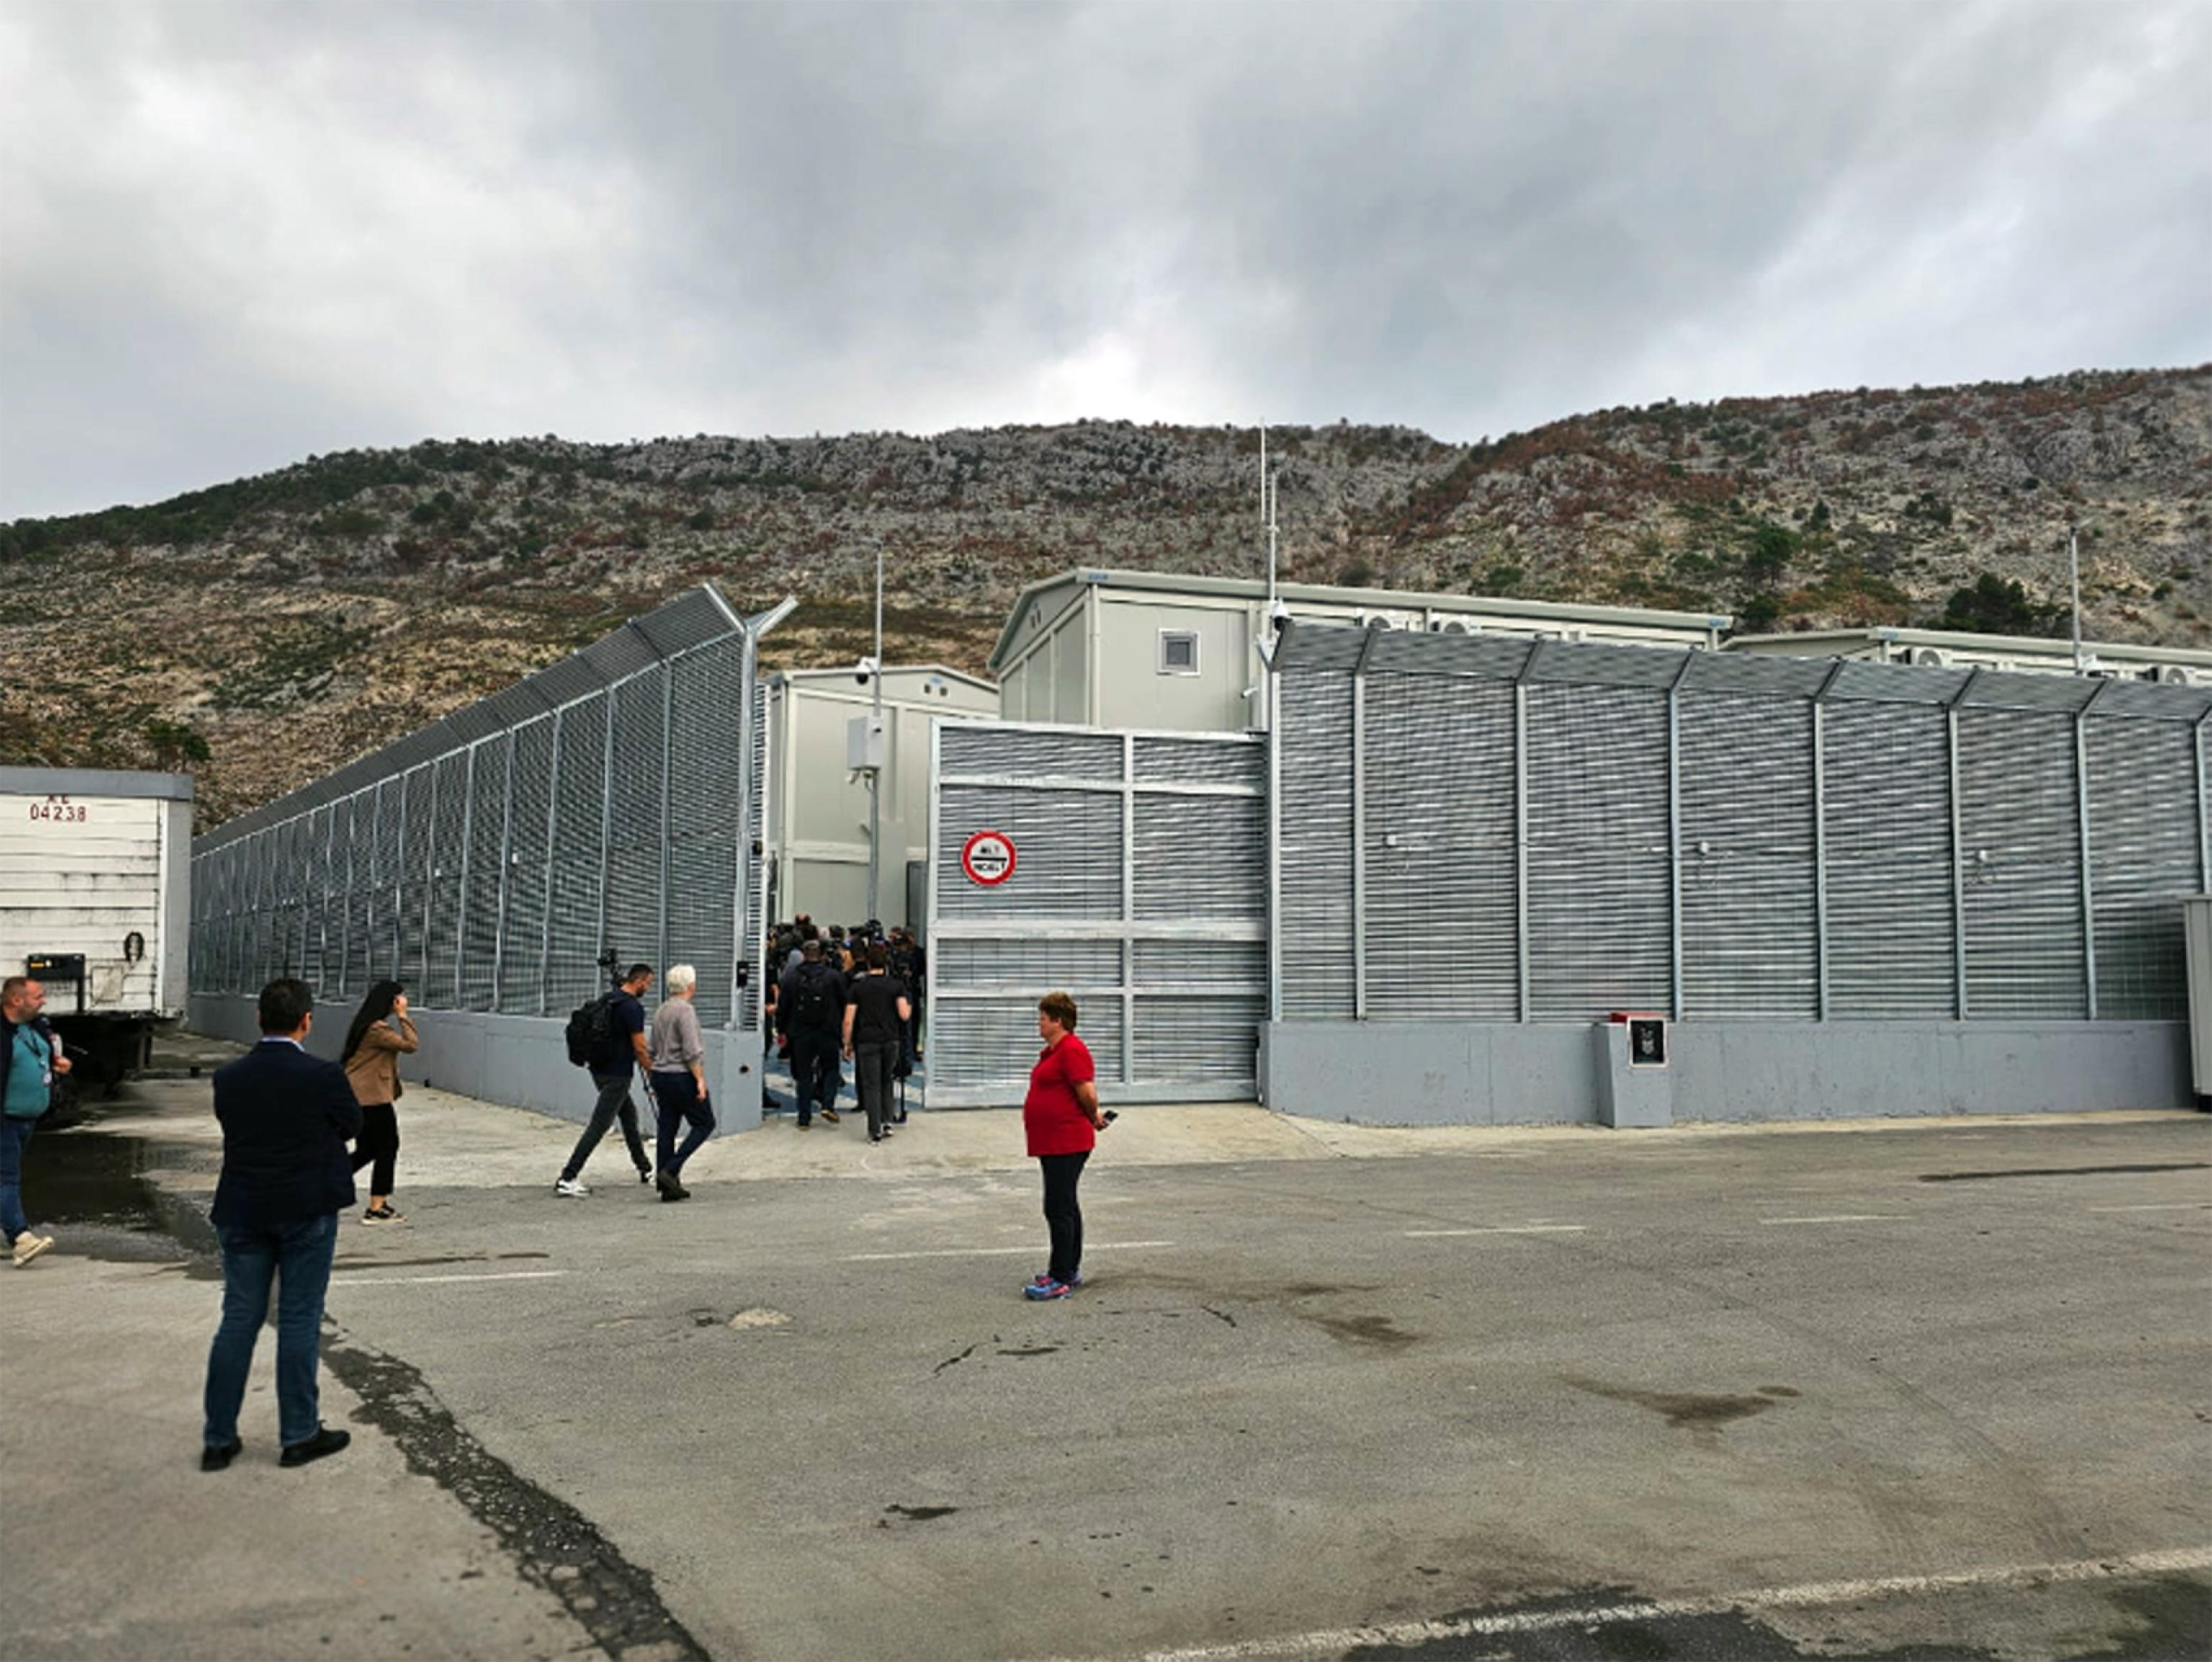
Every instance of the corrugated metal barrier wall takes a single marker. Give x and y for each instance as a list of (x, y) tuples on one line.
[(1139, 885), (614, 799), (1478, 828)]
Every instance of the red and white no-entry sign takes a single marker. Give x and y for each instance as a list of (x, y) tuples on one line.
[(988, 858)]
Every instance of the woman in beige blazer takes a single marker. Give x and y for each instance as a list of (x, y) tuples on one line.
[(380, 1036)]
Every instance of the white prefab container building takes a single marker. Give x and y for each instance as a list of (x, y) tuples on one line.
[(1160, 650), (95, 884), (2183, 667), (818, 805)]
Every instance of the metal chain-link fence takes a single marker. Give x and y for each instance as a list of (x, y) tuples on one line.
[(611, 801)]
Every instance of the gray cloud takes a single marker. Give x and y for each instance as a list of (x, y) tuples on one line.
[(233, 235)]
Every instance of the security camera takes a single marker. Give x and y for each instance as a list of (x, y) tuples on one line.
[(863, 669)]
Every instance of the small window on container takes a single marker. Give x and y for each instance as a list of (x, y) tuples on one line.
[(1178, 652)]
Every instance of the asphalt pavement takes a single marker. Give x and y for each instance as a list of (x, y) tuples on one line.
[(1896, 1388)]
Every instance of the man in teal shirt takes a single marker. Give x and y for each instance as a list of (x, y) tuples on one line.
[(29, 1058)]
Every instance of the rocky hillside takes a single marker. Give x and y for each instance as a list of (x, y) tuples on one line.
[(264, 631)]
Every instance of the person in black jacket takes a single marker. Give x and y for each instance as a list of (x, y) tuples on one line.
[(811, 1014), (286, 1119)]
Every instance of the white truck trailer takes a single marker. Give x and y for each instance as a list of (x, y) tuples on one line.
[(95, 902)]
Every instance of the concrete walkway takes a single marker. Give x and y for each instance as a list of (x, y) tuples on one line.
[(453, 1141)]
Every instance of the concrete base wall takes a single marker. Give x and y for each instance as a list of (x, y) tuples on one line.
[(1477, 1074), (517, 1060)]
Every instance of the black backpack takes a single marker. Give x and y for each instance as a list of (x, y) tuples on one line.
[(814, 1000), (590, 1032)]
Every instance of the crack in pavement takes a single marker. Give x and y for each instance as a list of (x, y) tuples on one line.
[(554, 1546)]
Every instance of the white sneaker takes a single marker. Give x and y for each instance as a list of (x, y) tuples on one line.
[(571, 1188), (29, 1246)]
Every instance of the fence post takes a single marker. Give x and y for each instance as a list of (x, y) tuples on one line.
[(399, 876), (754, 773), (340, 984), (1128, 908), (1675, 828), (323, 980), (607, 821), (506, 846), (376, 881), (1520, 943), (430, 870), (552, 822), (2203, 817), (1359, 834), (2081, 805), (1820, 856), (468, 854), (667, 764), (1274, 842), (1958, 854)]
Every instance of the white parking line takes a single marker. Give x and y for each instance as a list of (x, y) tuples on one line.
[(1496, 1229), (1843, 1217), (2161, 1206), (995, 1251), (1336, 1641), (443, 1280)]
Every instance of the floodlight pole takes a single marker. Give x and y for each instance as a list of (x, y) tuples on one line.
[(2074, 575), (875, 772)]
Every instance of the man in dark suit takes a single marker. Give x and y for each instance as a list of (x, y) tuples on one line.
[(286, 1176)]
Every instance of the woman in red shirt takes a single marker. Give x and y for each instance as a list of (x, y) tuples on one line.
[(1061, 1118)]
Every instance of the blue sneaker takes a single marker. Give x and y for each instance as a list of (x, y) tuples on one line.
[(1075, 1280), (1046, 1289)]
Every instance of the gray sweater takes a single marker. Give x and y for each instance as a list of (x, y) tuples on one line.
[(675, 1043)]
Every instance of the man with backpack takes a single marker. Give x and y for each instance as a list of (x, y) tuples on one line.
[(610, 1033), (811, 1013), (908, 965), (30, 1056)]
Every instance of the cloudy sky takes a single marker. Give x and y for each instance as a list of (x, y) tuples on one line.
[(233, 235)]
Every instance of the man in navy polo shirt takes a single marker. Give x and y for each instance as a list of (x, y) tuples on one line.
[(611, 1073)]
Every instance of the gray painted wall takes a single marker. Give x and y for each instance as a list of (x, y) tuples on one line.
[(1478, 1073), (519, 1061)]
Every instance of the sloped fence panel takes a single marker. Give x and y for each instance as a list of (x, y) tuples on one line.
[(610, 802)]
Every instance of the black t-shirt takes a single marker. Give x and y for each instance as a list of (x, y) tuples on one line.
[(875, 1010), (624, 1016)]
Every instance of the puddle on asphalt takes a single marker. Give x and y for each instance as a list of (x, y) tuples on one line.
[(91, 1187)]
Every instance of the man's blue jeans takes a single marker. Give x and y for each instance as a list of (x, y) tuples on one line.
[(677, 1100), (297, 1255), (14, 1134)]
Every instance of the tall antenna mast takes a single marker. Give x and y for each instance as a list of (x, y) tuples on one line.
[(1271, 493)]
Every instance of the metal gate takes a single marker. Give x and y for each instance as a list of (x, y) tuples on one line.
[(1127, 868)]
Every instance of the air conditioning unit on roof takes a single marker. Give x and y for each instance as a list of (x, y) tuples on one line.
[(1932, 658)]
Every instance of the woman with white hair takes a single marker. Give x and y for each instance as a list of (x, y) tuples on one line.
[(678, 1076)]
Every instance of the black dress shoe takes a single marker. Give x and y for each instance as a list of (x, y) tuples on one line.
[(324, 1441), (218, 1457)]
